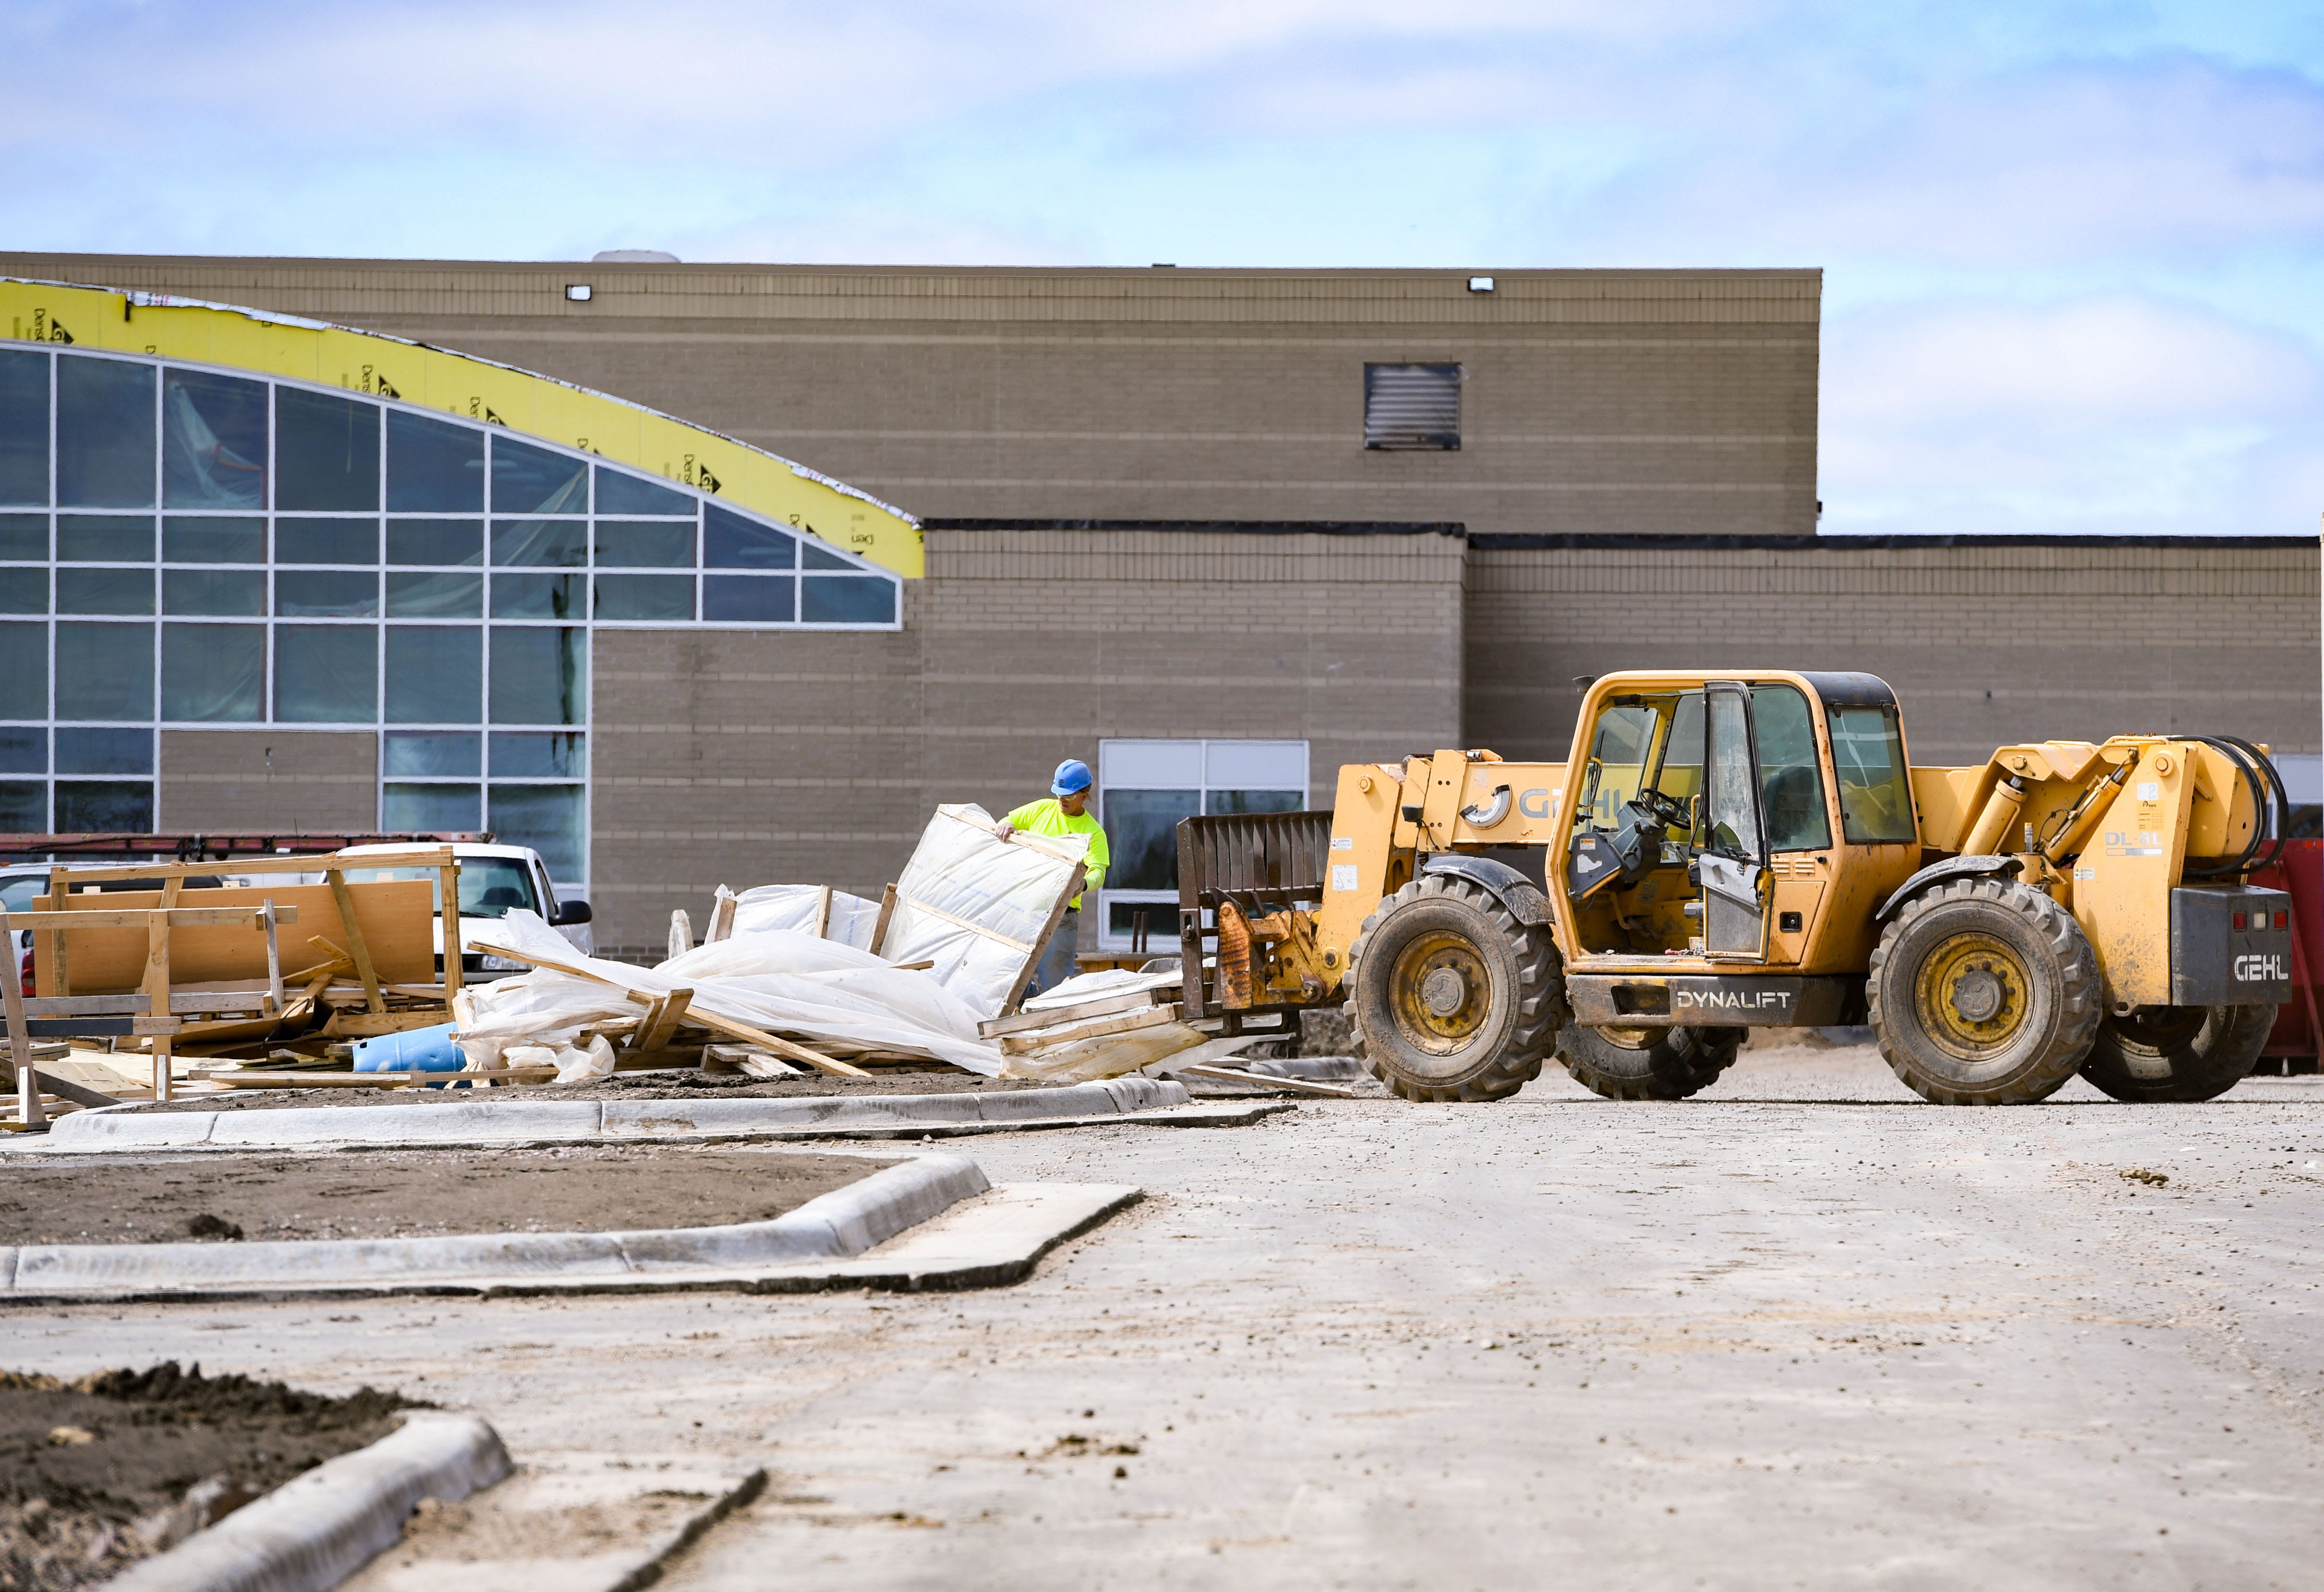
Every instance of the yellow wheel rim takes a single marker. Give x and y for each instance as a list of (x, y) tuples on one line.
[(1440, 992), (1972, 996), (1632, 1039)]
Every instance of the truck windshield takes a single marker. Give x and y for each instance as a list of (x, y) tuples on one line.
[(489, 885), (1876, 792)]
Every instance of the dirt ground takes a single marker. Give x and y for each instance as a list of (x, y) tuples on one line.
[(404, 1193), (682, 1083), (82, 1463)]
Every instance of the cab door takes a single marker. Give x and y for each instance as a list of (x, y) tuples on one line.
[(1732, 863)]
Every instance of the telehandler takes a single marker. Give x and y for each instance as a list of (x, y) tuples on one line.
[(1751, 849)]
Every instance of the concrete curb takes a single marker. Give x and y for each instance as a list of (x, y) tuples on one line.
[(497, 1121), (836, 1226), (316, 1530)]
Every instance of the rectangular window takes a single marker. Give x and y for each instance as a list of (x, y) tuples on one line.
[(435, 593), (539, 597), (24, 591), (326, 542), (83, 751), (231, 593), (213, 441), (213, 673), (637, 598), (1791, 776), (421, 754), (105, 807), (327, 452), (745, 599), (1876, 790), (644, 544), (24, 429), (517, 756), (1146, 787), (552, 544), (529, 480), (224, 540), (547, 818), (326, 673), (433, 466), (23, 536), (431, 807), (327, 594), (105, 591), (105, 673), (105, 539), (847, 599), (540, 675), (1412, 406), (23, 751), (23, 671), (436, 541), (25, 807), (105, 434), (435, 673), (730, 541)]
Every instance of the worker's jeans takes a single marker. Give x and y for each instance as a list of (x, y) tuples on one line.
[(1056, 963)]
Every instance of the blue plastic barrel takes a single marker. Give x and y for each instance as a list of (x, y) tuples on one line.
[(415, 1049)]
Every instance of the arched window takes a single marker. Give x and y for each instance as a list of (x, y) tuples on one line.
[(186, 548)]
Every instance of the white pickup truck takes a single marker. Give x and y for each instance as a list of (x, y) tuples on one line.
[(494, 880)]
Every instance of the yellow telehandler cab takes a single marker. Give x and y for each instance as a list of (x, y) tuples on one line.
[(1747, 848)]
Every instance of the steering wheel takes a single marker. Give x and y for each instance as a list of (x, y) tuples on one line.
[(1667, 809)]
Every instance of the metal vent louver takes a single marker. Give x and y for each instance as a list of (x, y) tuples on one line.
[(1412, 406)]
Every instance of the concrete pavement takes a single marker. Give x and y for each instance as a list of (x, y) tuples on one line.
[(1802, 1331)]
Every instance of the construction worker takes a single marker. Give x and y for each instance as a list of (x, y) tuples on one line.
[(1067, 812)]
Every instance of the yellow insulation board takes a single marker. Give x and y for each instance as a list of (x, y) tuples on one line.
[(476, 389)]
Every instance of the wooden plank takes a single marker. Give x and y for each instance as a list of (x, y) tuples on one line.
[(246, 1078), (55, 943), (721, 919), (741, 1031), (312, 862), (1032, 951), (19, 1036), (1033, 956), (1046, 1038), (30, 1083), (356, 948), (448, 887), (123, 1006), (922, 966), (823, 913), (369, 1025), (252, 917), (1054, 1017), (157, 980), (879, 925), (662, 1020), (1297, 1086)]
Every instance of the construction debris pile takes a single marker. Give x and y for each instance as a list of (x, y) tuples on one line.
[(796, 976)]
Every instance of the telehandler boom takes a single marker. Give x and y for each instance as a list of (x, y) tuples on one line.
[(1730, 850)]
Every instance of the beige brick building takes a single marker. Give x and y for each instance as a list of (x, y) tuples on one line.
[(1151, 520)]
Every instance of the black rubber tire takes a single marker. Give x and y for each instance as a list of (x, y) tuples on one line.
[(1525, 996), (1674, 1062), (2062, 993), (2178, 1053)]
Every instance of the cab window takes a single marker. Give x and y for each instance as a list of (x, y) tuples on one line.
[(1624, 741), (1876, 790), (489, 885), (1791, 780)]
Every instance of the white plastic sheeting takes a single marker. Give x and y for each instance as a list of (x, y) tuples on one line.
[(796, 906), (778, 981), (977, 906)]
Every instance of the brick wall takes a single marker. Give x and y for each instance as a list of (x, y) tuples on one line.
[(1648, 402), (1985, 643), (763, 758), (320, 781)]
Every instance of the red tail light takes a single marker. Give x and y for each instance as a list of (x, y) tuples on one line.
[(2239, 922), (2282, 918), (24, 973)]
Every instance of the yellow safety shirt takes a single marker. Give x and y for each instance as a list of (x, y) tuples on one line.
[(1046, 818)]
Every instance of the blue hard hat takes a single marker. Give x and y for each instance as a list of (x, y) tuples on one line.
[(1073, 774)]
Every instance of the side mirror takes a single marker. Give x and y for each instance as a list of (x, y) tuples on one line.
[(570, 913)]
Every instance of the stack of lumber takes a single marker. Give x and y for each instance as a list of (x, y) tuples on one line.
[(1038, 1028)]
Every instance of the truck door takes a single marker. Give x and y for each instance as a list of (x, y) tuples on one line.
[(1733, 862)]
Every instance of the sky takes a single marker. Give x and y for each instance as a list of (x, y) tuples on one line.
[(2072, 253)]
